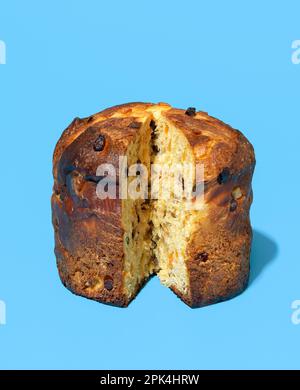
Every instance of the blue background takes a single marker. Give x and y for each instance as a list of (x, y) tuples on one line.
[(74, 58)]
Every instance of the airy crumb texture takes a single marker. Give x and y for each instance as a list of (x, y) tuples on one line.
[(106, 249)]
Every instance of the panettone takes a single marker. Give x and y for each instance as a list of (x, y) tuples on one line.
[(107, 248)]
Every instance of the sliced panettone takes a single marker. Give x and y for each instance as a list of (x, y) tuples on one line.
[(198, 246)]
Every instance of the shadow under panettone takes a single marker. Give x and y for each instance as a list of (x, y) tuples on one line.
[(264, 250)]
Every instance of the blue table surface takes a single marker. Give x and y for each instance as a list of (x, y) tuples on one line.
[(73, 58)]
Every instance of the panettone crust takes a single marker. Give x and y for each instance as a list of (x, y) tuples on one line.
[(89, 232)]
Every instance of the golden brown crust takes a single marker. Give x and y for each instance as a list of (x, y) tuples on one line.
[(215, 144), (78, 126), (219, 250), (88, 231)]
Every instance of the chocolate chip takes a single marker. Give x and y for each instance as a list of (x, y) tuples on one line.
[(155, 149), (202, 256), (154, 132), (108, 283), (152, 124), (191, 111), (90, 119), (135, 125), (233, 205), (99, 143), (223, 176)]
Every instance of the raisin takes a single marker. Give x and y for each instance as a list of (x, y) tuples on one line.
[(108, 283), (99, 143), (233, 205), (202, 256), (135, 125), (223, 176), (191, 111), (127, 240)]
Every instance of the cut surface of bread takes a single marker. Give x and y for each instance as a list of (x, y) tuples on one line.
[(173, 223), (107, 249), (158, 225)]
